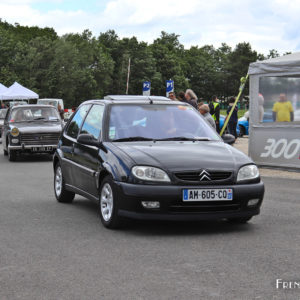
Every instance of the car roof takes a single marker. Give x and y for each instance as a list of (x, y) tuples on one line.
[(32, 105), (135, 99), (50, 99)]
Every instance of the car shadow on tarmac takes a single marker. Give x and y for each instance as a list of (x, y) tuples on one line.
[(167, 228), (31, 158)]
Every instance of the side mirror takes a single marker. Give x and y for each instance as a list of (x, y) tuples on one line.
[(88, 139), (228, 138)]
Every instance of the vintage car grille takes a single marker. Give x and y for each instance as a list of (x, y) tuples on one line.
[(212, 176), (40, 138)]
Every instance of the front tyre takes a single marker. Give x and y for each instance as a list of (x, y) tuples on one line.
[(61, 194), (108, 204), (12, 155), (242, 131)]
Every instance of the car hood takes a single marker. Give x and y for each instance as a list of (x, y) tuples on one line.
[(37, 127), (242, 119), (180, 156)]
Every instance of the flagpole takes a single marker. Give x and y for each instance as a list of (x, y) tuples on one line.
[(128, 74)]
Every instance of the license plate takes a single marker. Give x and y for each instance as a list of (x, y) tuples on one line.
[(41, 149), (207, 195)]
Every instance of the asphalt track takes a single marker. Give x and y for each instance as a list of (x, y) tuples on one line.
[(61, 251)]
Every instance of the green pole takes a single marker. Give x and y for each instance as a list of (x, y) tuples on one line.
[(243, 82)]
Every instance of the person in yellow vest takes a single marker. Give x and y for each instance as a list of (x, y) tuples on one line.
[(214, 107), (283, 110)]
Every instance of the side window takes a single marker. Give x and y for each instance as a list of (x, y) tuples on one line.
[(76, 122), (93, 122)]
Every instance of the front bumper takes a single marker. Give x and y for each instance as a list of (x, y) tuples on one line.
[(172, 207), (29, 148)]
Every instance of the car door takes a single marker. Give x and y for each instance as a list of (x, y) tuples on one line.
[(68, 141), (86, 157)]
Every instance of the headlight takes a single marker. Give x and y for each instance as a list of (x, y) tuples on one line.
[(15, 141), (247, 173), (14, 132), (150, 174)]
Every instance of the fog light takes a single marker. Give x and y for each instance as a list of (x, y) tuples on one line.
[(151, 204), (253, 202), (14, 141)]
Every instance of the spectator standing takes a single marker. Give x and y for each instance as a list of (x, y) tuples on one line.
[(61, 111), (232, 123), (172, 96), (283, 110), (204, 111), (181, 97), (261, 110), (2, 106), (214, 107), (191, 97)]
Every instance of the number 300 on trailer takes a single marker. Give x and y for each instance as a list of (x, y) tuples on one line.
[(282, 147)]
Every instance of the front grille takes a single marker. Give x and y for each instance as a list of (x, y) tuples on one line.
[(40, 138), (196, 176)]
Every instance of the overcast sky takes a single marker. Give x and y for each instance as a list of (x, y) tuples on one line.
[(266, 24)]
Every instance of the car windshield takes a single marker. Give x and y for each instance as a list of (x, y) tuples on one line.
[(2, 113), (158, 122), (29, 114)]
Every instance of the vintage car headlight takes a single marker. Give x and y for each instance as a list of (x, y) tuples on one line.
[(247, 173), (150, 174), (15, 141), (15, 132)]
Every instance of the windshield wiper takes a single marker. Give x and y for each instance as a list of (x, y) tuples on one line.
[(133, 138), (183, 138)]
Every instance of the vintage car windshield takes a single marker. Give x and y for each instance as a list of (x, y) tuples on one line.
[(3, 113), (49, 102), (157, 121), (30, 114)]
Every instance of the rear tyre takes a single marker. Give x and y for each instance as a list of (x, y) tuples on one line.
[(108, 204), (242, 131), (240, 220), (61, 194)]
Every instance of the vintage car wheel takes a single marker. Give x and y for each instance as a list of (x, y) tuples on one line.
[(12, 155), (61, 194), (239, 220), (108, 204)]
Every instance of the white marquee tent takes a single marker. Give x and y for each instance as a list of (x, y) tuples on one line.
[(3, 89), (17, 91)]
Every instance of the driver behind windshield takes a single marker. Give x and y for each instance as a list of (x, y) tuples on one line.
[(158, 122), (18, 116)]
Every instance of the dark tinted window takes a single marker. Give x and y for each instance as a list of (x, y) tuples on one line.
[(76, 122), (93, 122)]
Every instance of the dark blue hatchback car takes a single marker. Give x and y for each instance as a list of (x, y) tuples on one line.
[(152, 158)]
